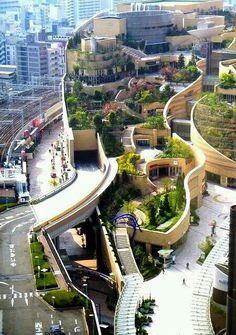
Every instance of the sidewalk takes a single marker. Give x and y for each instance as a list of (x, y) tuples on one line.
[(173, 314), (48, 160)]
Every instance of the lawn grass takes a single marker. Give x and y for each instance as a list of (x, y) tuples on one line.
[(49, 281), (64, 299), (37, 250)]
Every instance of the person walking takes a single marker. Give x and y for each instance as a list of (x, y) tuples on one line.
[(184, 281), (187, 265)]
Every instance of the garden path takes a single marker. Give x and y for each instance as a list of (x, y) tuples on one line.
[(173, 313)]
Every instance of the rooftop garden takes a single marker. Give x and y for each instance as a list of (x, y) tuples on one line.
[(181, 73), (143, 92), (164, 210), (176, 148), (107, 120), (154, 122), (215, 120), (175, 31), (228, 80), (126, 164)]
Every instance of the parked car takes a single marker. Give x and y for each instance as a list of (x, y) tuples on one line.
[(56, 330)]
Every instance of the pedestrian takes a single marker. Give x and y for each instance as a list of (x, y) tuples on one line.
[(163, 270), (187, 265), (173, 259), (183, 281)]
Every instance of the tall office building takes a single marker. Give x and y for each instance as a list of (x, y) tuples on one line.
[(2, 49), (31, 60), (79, 10), (7, 5)]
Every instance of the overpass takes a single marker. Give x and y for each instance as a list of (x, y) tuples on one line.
[(75, 203)]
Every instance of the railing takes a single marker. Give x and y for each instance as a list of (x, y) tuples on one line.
[(201, 320), (68, 280), (124, 322), (56, 189)]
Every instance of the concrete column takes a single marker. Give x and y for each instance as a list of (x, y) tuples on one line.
[(56, 241), (148, 247)]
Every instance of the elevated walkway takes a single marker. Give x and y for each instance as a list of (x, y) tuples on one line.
[(127, 304), (75, 203)]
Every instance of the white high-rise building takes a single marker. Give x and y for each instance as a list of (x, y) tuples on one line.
[(2, 49), (79, 10), (56, 60)]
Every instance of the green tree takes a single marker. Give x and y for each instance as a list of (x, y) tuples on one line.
[(181, 61), (129, 207), (72, 102), (112, 119), (97, 120), (79, 120), (166, 182), (180, 192), (77, 88), (227, 80)]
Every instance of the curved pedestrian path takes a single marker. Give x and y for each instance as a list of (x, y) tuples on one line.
[(184, 309), (124, 322), (200, 306)]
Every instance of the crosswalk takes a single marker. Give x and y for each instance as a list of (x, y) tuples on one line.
[(16, 295)]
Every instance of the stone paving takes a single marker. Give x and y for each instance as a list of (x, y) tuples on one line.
[(173, 311), (48, 160)]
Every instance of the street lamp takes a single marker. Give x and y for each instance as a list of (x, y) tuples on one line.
[(92, 316), (44, 270), (99, 312), (37, 257), (53, 300), (6, 198), (85, 285)]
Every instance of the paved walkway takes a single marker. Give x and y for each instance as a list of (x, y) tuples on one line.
[(173, 314), (40, 168)]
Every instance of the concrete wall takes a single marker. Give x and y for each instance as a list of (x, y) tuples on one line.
[(105, 87), (71, 59), (109, 27), (182, 6), (85, 140), (179, 41), (216, 162), (151, 134), (176, 106), (193, 185), (111, 259), (102, 158), (227, 66)]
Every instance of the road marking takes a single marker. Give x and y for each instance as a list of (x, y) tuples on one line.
[(51, 316), (12, 255), (52, 322), (26, 298), (76, 321), (38, 328), (1, 324), (31, 294), (59, 322), (20, 295), (19, 225), (3, 283), (9, 217), (77, 329), (12, 302), (5, 223), (4, 296)]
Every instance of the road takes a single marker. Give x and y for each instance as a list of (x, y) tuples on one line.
[(21, 309)]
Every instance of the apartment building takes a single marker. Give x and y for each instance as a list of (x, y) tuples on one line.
[(80, 10), (31, 60)]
